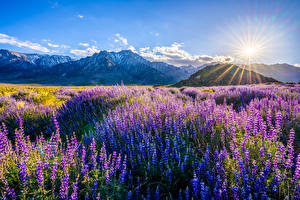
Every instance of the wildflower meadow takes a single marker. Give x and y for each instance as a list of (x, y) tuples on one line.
[(119, 142)]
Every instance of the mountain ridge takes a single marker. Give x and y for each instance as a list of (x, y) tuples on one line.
[(224, 74), (106, 68)]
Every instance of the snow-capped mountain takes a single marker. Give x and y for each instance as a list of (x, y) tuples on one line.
[(116, 67), (107, 68), (25, 60)]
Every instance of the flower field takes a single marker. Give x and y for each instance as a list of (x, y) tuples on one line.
[(231, 142)]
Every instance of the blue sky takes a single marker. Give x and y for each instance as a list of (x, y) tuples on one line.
[(177, 32)]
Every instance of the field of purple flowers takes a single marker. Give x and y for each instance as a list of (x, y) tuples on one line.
[(240, 142)]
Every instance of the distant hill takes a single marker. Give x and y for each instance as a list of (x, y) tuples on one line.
[(223, 74), (108, 68), (103, 68), (282, 72)]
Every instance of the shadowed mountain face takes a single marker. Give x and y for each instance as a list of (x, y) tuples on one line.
[(105, 68), (109, 68), (223, 74), (282, 72)]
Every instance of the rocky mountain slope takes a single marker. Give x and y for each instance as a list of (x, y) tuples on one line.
[(223, 74), (103, 68), (282, 72)]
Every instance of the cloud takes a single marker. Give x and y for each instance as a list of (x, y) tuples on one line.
[(6, 39), (120, 39), (84, 44), (131, 48), (50, 44), (53, 45), (176, 56), (86, 52), (297, 65), (80, 16)]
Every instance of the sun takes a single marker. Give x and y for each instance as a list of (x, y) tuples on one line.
[(250, 51)]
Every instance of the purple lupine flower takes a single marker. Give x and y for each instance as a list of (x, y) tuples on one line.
[(278, 120), (180, 195), (123, 171), (129, 194), (24, 174), (63, 192), (74, 195), (195, 185), (170, 175), (247, 157), (56, 125), (154, 158), (53, 172), (94, 189), (93, 154), (10, 192), (235, 192), (254, 168), (4, 142), (39, 173), (118, 162), (107, 177), (187, 193), (290, 156), (297, 170)]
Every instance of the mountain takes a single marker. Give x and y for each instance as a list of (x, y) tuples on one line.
[(223, 74), (282, 72), (29, 60), (103, 68), (107, 68), (190, 69)]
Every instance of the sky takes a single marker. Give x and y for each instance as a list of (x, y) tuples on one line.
[(186, 32)]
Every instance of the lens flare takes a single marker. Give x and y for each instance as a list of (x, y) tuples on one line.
[(249, 51)]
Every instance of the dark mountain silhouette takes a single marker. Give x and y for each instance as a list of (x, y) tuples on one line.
[(223, 74)]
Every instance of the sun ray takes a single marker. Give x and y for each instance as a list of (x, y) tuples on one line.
[(257, 74), (236, 71), (223, 74), (241, 75)]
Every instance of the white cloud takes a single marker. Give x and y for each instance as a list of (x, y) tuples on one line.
[(86, 52), (131, 48), (84, 44), (297, 65), (53, 45), (80, 16), (50, 44), (176, 56), (6, 39), (120, 39)]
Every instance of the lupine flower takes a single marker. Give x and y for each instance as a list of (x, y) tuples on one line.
[(93, 154), (39, 173), (195, 184), (74, 195), (290, 156), (297, 170), (187, 193), (128, 196)]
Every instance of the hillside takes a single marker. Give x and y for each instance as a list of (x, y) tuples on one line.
[(223, 74), (282, 72)]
